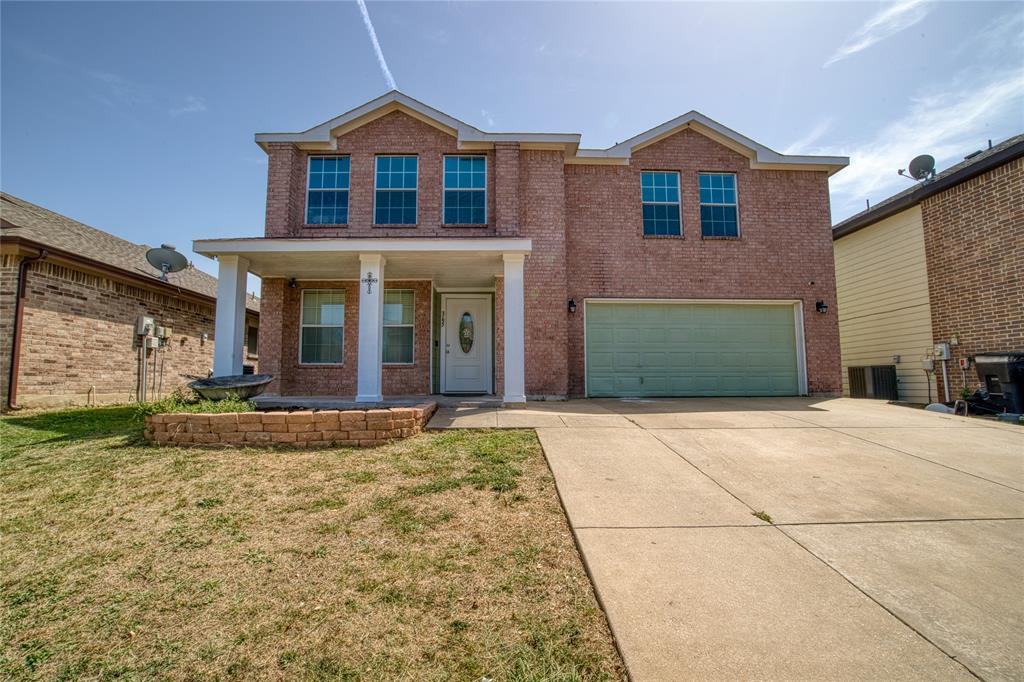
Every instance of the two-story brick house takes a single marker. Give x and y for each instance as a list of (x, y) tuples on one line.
[(407, 252)]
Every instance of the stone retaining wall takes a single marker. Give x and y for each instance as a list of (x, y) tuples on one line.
[(308, 429)]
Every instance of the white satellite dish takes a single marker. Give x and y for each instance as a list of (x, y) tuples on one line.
[(166, 259)]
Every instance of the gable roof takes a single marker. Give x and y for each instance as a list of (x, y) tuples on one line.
[(970, 167), (325, 136), (760, 156), (23, 220)]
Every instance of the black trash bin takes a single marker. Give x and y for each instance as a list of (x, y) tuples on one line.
[(1003, 377)]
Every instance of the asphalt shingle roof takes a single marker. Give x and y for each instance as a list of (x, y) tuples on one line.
[(20, 218)]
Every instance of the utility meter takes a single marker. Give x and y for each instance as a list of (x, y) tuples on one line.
[(928, 365), (941, 351), (144, 325)]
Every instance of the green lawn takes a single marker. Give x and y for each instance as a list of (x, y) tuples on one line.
[(442, 557)]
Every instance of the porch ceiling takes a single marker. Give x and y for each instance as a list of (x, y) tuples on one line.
[(449, 262)]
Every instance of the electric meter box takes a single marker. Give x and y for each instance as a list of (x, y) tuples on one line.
[(941, 351), (928, 365), (152, 342), (144, 325)]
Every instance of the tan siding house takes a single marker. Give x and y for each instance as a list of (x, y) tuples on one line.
[(940, 263), (882, 283)]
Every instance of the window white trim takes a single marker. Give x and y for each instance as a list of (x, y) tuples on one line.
[(302, 325), (347, 190), (411, 325), (416, 189), (736, 189), (679, 202), (445, 190)]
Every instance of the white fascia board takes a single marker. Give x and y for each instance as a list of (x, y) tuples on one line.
[(216, 247)]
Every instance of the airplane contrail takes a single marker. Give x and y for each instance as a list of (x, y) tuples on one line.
[(376, 46)]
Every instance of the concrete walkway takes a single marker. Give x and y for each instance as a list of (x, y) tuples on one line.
[(895, 548)]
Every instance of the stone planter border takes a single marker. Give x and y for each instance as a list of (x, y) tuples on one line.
[(305, 428)]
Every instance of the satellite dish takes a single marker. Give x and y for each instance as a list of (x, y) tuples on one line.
[(166, 259), (922, 167)]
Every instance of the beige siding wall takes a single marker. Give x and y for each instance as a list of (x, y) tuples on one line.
[(882, 291)]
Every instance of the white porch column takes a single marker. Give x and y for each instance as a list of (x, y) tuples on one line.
[(229, 322), (515, 330), (371, 330)]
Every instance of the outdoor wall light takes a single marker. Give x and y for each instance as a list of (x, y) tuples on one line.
[(572, 305), (291, 283), (821, 307)]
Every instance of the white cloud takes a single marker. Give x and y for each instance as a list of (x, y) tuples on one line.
[(192, 105), (813, 135), (376, 46), (888, 22), (946, 123), (122, 89), (487, 116)]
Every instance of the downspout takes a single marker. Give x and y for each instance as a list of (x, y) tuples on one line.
[(19, 308)]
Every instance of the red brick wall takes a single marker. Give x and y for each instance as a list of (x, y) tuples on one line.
[(279, 352), (974, 247), (542, 211), (394, 133), (785, 243), (78, 338)]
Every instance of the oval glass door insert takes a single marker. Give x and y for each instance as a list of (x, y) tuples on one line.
[(466, 332)]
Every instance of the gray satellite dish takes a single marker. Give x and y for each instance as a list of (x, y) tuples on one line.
[(166, 259), (922, 167)]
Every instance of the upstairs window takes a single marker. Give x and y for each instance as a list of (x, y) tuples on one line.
[(395, 195), (398, 326), (323, 327), (327, 190), (719, 215), (465, 190), (659, 194)]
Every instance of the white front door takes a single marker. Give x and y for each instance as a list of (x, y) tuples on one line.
[(466, 356)]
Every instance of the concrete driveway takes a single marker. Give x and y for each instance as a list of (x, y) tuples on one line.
[(895, 547)]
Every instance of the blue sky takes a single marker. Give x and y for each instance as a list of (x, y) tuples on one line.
[(138, 117)]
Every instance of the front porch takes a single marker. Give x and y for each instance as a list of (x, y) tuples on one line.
[(375, 321)]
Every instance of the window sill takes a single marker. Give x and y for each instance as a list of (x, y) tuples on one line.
[(480, 225), (405, 365), (663, 236), (396, 225), (321, 364), (721, 239), (307, 226)]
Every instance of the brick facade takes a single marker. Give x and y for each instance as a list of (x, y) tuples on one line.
[(279, 339), (78, 341), (586, 228), (974, 247)]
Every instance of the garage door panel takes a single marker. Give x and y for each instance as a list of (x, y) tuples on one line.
[(665, 349)]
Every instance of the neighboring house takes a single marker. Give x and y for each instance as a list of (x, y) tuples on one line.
[(73, 341), (406, 252), (942, 262)]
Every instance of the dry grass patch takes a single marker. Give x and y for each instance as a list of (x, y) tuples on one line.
[(442, 557)]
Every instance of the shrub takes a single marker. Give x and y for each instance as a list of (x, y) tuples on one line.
[(186, 400)]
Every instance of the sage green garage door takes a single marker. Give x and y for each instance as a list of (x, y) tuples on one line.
[(690, 349)]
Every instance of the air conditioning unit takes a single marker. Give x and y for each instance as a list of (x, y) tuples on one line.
[(875, 381)]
